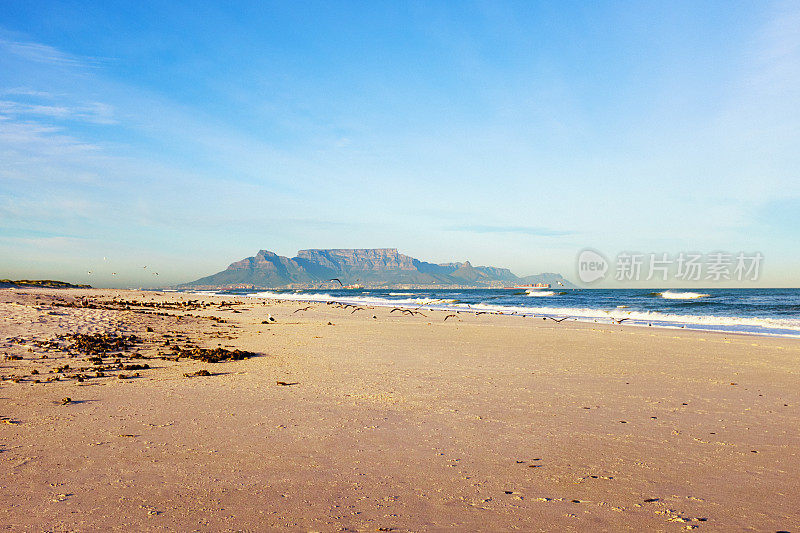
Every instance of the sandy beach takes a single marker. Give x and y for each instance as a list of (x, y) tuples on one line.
[(363, 419)]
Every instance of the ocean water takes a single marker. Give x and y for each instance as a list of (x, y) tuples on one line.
[(748, 311)]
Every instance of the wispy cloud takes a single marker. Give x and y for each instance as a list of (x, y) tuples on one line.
[(95, 112), (525, 230), (780, 47), (24, 91), (69, 244), (37, 152), (42, 53)]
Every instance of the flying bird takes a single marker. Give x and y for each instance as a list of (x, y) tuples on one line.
[(448, 316), (302, 309), (337, 280), (620, 321), (559, 320)]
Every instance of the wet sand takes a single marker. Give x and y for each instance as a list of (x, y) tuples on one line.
[(342, 421)]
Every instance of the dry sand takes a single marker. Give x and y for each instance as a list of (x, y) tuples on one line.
[(401, 423)]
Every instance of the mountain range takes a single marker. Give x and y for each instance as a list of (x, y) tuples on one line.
[(367, 267)]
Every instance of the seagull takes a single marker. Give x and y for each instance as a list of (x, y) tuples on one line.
[(559, 320), (302, 309), (448, 316), (337, 280), (269, 317), (620, 321), (89, 272), (560, 283)]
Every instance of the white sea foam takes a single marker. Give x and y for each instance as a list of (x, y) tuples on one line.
[(540, 293), (353, 299), (670, 295), (303, 297)]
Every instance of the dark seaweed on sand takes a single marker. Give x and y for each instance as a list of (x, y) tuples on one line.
[(101, 343), (212, 355)]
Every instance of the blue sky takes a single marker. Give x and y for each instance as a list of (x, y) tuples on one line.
[(184, 136)]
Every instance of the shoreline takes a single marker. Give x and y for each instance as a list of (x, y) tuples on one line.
[(345, 422), (610, 317)]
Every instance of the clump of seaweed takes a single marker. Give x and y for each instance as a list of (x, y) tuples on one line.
[(203, 372), (101, 343), (136, 367), (211, 355)]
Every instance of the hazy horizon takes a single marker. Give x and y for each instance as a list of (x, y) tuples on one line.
[(187, 136)]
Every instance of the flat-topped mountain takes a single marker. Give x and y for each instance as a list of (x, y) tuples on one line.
[(368, 267)]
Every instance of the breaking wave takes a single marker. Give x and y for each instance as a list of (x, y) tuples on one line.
[(670, 295)]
